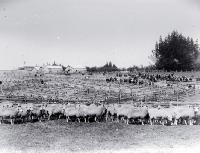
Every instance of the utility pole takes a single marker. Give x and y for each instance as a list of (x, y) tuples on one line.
[(119, 96), (109, 89), (131, 93), (177, 97)]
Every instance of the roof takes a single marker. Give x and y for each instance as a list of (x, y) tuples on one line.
[(37, 68), (69, 67), (26, 68)]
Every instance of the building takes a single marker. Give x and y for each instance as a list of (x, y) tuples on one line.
[(69, 69), (26, 68), (52, 69)]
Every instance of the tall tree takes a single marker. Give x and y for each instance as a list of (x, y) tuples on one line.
[(176, 52)]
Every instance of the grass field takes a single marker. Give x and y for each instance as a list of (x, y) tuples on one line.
[(60, 136)]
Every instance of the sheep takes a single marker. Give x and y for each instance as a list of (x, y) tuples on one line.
[(184, 114), (94, 111), (10, 113), (54, 109), (128, 111), (70, 111), (138, 114), (160, 114)]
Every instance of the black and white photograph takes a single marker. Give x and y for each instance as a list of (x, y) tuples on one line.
[(99, 76)]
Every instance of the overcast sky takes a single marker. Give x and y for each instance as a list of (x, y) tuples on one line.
[(90, 32)]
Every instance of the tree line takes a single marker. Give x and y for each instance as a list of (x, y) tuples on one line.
[(175, 52), (108, 67)]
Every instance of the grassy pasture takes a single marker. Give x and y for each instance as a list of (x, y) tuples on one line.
[(60, 136)]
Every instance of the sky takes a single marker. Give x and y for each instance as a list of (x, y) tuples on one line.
[(90, 32)]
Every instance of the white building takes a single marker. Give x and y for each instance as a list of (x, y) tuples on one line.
[(69, 69), (52, 69)]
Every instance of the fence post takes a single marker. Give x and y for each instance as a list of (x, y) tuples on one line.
[(1, 89)]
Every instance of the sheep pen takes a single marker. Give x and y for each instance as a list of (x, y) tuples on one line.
[(98, 112)]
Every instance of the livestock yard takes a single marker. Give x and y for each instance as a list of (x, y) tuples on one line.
[(99, 112)]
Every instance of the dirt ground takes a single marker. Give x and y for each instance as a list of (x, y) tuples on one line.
[(60, 136)]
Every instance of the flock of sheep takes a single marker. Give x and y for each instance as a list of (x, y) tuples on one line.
[(12, 112), (93, 89)]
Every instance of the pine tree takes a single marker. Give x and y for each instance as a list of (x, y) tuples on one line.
[(176, 52)]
